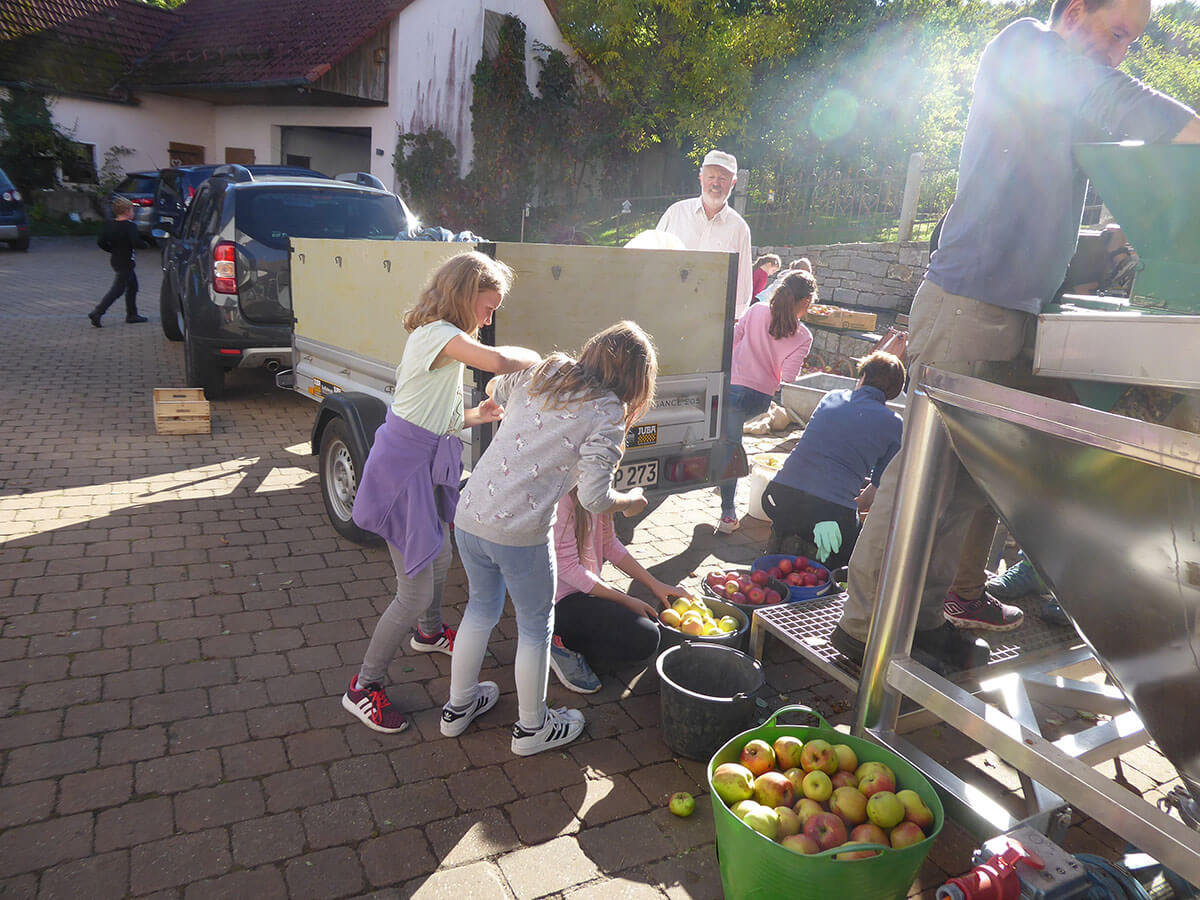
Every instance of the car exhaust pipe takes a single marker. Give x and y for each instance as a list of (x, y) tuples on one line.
[(272, 365)]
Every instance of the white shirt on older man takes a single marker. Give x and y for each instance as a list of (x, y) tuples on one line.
[(726, 232)]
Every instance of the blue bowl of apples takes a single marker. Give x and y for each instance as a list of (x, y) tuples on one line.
[(747, 590), (806, 579)]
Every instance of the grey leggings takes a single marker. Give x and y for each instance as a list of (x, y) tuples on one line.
[(418, 601)]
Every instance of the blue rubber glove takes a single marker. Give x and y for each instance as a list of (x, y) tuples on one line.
[(828, 538)]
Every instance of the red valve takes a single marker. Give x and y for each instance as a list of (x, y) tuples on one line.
[(995, 879)]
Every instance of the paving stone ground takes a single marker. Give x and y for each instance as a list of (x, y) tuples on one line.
[(179, 621)]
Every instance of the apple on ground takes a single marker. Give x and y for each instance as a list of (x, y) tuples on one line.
[(869, 833), (758, 757), (855, 854), (801, 843), (875, 782), (789, 822), (915, 809), (773, 789), (906, 834), (849, 804), (826, 829), (885, 810), (847, 759), (742, 807), (787, 752), (682, 804), (733, 782), (806, 808), (764, 820), (818, 755), (842, 778), (817, 786)]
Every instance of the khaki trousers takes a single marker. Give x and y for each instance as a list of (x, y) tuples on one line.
[(967, 336)]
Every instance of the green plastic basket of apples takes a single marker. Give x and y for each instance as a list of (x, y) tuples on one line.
[(747, 590), (810, 812)]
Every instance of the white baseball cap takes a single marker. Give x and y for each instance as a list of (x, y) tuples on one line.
[(720, 158)]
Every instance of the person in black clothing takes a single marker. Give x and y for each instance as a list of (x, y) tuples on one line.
[(120, 238)]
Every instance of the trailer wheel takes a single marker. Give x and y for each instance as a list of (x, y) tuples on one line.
[(340, 472)]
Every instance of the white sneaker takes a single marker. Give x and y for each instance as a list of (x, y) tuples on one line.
[(561, 727), (728, 524), (455, 722)]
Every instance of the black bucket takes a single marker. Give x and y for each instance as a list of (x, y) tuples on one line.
[(706, 696)]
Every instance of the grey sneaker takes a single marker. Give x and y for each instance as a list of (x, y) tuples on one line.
[(572, 669), (560, 727), (455, 721), (1016, 581)]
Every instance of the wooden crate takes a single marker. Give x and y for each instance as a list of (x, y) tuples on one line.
[(181, 411), (838, 317)]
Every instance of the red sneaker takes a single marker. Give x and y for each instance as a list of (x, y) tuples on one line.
[(372, 706), (442, 642)]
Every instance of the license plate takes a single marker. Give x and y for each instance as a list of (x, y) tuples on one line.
[(642, 474)]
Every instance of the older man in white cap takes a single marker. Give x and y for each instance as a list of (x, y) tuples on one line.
[(708, 222)]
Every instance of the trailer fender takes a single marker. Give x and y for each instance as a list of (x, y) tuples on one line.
[(362, 414)]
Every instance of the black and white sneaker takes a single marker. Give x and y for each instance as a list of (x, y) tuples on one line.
[(455, 721), (561, 727)]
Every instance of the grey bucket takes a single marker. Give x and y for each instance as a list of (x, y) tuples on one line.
[(706, 695)]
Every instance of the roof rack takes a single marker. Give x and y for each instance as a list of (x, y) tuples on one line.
[(366, 179), (234, 171)]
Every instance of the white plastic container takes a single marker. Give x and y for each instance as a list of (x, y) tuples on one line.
[(763, 468)]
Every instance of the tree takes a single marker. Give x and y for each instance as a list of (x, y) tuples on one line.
[(426, 166), (32, 146)]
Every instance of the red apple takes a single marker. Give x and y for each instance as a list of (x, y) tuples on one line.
[(818, 755), (827, 830), (876, 782), (868, 833), (849, 805), (756, 595), (771, 597), (739, 597), (787, 752), (773, 789), (800, 843), (844, 779), (785, 566), (775, 572), (806, 808), (759, 577), (906, 834), (758, 757), (800, 562)]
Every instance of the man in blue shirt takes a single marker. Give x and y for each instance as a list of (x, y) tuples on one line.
[(1004, 249), (851, 437)]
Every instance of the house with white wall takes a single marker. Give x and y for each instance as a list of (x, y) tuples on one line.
[(328, 84)]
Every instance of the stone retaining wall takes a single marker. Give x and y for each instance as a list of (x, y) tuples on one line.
[(879, 277)]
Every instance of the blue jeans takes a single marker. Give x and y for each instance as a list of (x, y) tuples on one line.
[(529, 574), (744, 404)]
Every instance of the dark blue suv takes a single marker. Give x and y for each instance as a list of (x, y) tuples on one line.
[(14, 224)]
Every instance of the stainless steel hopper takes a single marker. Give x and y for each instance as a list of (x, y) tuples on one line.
[(1108, 510)]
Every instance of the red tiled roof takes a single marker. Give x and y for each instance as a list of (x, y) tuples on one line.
[(224, 42), (81, 46)]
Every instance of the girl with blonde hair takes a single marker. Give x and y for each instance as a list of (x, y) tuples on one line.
[(409, 488), (564, 426)]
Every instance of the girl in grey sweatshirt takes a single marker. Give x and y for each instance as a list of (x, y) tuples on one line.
[(564, 424)]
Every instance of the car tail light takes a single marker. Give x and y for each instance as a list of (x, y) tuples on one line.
[(225, 268), (191, 193), (143, 201)]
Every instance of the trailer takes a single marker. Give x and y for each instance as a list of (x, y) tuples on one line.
[(349, 298)]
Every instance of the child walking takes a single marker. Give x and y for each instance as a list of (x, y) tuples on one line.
[(769, 346), (565, 424), (409, 487), (593, 620), (120, 239)]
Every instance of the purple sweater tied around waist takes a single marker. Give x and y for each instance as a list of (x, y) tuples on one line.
[(409, 488)]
